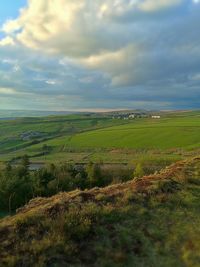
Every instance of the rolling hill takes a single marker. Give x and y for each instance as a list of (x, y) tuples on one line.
[(18, 134), (91, 137), (165, 133)]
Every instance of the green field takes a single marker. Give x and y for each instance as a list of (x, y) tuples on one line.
[(165, 134), (82, 138), (47, 128)]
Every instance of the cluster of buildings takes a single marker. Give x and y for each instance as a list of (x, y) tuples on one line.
[(131, 116), (29, 135)]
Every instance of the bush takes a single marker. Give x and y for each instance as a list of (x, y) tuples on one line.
[(138, 172)]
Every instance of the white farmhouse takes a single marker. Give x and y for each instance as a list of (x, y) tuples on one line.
[(155, 117), (132, 116)]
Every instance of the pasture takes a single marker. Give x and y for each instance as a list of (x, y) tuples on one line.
[(84, 138), (167, 133)]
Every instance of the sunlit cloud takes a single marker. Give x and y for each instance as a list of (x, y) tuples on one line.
[(152, 5), (7, 41), (7, 91)]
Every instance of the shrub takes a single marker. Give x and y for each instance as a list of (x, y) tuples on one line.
[(138, 172)]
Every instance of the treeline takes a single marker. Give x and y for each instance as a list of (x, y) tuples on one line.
[(18, 185)]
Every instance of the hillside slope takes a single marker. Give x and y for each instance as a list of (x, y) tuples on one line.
[(152, 221), (22, 133), (165, 133)]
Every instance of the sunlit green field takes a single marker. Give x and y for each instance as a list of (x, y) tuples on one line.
[(81, 138), (48, 128), (140, 134)]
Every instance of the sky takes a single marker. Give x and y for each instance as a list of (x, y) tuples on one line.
[(99, 54)]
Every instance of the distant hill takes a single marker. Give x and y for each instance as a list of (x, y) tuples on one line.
[(151, 221), (31, 113), (6, 114)]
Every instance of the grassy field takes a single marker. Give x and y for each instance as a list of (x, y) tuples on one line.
[(82, 138), (145, 134), (47, 128)]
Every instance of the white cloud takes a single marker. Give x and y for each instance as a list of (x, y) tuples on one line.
[(52, 82), (120, 64), (9, 61), (75, 28), (7, 91), (7, 41), (152, 5)]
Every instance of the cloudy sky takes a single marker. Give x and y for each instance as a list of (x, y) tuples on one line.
[(99, 54)]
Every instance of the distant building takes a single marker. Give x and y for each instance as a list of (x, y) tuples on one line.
[(155, 117), (26, 136), (132, 116)]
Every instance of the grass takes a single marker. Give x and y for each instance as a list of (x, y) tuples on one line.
[(153, 221), (81, 138), (141, 134), (3, 214), (48, 127), (117, 157), (148, 134)]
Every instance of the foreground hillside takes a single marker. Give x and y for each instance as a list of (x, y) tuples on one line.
[(152, 221)]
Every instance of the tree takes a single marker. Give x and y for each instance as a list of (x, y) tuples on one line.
[(15, 191), (23, 168), (93, 174), (25, 161), (41, 179)]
